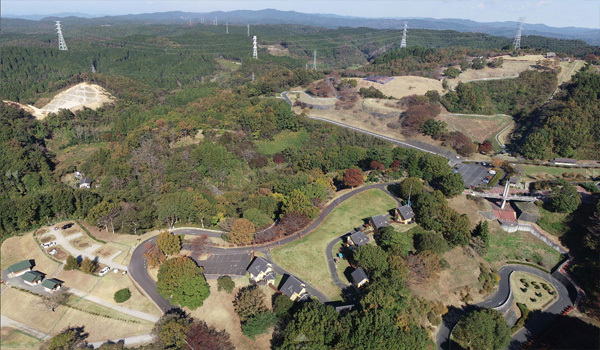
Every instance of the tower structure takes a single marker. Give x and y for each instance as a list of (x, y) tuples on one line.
[(93, 67), (403, 42), (315, 60), (216, 21), (61, 41), (254, 48), (248, 29), (517, 41), (226, 27)]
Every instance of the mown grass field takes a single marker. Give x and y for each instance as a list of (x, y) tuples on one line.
[(548, 172), (16, 339), (282, 141), (526, 293), (519, 246), (554, 223), (306, 257)]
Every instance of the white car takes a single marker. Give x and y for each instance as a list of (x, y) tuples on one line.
[(49, 244), (104, 271), (116, 270), (52, 252)]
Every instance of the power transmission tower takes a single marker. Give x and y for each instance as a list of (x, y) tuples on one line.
[(202, 20), (61, 41), (517, 42), (254, 48), (252, 76), (315, 60), (216, 21), (306, 66), (403, 42), (93, 68), (226, 28), (248, 29)]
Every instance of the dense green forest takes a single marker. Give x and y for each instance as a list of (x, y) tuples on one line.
[(570, 125)]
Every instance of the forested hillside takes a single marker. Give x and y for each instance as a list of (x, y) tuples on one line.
[(570, 126)]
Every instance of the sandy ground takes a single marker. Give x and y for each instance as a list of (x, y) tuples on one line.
[(74, 98), (477, 128), (402, 86)]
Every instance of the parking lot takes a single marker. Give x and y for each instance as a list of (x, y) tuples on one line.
[(230, 264), (473, 174)]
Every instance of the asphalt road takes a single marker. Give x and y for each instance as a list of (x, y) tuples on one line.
[(138, 268), (532, 327)]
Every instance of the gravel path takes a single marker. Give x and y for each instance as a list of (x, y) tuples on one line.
[(9, 322)]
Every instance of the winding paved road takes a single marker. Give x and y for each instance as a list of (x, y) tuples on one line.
[(564, 300), (138, 268)]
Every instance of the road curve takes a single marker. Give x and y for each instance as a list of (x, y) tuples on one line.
[(139, 273), (532, 327)]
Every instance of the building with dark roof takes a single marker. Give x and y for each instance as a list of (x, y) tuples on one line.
[(405, 214), (564, 161), (86, 182), (379, 221), (294, 289), (358, 238), (51, 285), (20, 268), (32, 278), (359, 277), (261, 271), (526, 211)]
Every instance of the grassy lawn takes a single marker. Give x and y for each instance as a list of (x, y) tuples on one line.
[(30, 311), (18, 339), (545, 172), (342, 264), (24, 247), (306, 258), (554, 223), (519, 246), (525, 292), (282, 141)]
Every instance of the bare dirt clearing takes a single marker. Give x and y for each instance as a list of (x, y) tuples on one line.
[(74, 98), (402, 86)]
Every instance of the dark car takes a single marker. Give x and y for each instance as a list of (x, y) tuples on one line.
[(67, 226)]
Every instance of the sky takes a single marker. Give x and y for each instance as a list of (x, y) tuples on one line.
[(555, 13)]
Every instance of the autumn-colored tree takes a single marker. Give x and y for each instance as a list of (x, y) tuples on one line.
[(291, 223), (88, 265), (249, 302), (485, 147), (423, 266), (353, 177), (182, 280), (375, 165), (278, 158), (71, 263), (169, 243), (171, 330), (200, 336), (242, 232), (200, 243), (497, 162), (298, 202), (153, 255), (70, 338)]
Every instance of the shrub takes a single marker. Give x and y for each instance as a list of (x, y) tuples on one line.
[(538, 294), (282, 305), (71, 263), (88, 266), (225, 283), (258, 324), (122, 295), (524, 290), (533, 299)]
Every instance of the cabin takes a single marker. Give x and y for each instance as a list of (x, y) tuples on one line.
[(51, 285), (261, 271), (526, 211), (378, 222), (294, 289), (564, 161), (405, 214), (20, 268), (357, 238), (32, 278), (550, 55), (86, 182), (359, 277)]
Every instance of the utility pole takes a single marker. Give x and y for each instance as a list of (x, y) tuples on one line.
[(202, 20), (252, 76), (248, 29), (517, 41), (93, 68), (61, 41), (226, 27), (315, 60), (254, 48), (306, 66), (216, 22), (403, 42)]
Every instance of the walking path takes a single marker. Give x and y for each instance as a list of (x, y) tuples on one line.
[(9, 322), (63, 241), (127, 311), (129, 341)]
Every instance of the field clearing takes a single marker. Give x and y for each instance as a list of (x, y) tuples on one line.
[(554, 223), (73, 156), (463, 272), (218, 312), (306, 257), (16, 339), (383, 104), (402, 86), (301, 96), (540, 172), (509, 68), (39, 317), (477, 128), (568, 69), (469, 207), (20, 248), (520, 245), (529, 295), (282, 141)]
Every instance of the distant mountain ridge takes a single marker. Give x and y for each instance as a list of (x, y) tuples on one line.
[(270, 16)]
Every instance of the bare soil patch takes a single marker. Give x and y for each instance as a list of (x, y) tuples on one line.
[(402, 86), (469, 207), (104, 252), (24, 247), (61, 253), (47, 239), (276, 50), (299, 96), (82, 242), (218, 312), (477, 128)]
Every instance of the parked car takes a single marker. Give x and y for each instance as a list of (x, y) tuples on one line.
[(52, 252), (104, 271), (69, 225), (116, 270), (49, 244)]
